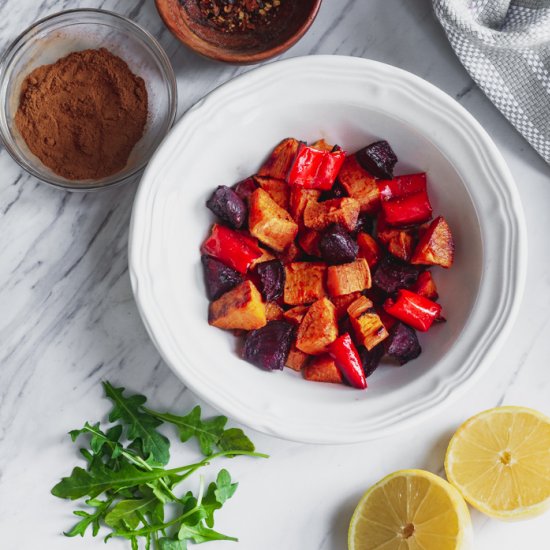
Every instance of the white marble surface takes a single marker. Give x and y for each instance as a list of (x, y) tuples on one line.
[(68, 320)]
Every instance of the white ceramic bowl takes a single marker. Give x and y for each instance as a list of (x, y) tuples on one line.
[(351, 102)]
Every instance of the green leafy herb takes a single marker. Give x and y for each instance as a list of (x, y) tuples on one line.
[(129, 490), (140, 425), (209, 433)]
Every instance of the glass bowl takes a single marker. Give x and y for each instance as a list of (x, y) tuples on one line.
[(60, 34)]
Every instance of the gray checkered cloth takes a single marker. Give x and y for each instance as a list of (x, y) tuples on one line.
[(505, 46)]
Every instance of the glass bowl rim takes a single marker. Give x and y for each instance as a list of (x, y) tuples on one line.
[(5, 73)]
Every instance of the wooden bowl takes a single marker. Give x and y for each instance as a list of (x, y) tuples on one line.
[(185, 21)]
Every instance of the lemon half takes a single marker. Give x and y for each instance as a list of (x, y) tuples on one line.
[(500, 462), (411, 510)]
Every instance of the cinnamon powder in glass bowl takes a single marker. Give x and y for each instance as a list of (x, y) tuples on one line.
[(59, 36), (83, 115)]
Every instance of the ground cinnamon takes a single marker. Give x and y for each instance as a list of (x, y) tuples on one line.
[(82, 115)]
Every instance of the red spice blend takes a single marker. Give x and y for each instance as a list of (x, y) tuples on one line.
[(239, 15)]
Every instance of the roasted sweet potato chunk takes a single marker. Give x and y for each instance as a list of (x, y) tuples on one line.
[(322, 145), (319, 215), (278, 190), (367, 325), (360, 185), (308, 239), (279, 162), (400, 243), (348, 278), (360, 305), (436, 247), (368, 249), (343, 302), (305, 282), (240, 308), (299, 197), (425, 286), (269, 223), (296, 359), (290, 254), (318, 328), (273, 312), (296, 314), (322, 369)]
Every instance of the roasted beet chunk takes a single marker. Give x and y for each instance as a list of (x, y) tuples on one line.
[(392, 274), (337, 191), (402, 344), (245, 188), (337, 245), (371, 359), (365, 224), (218, 277), (272, 279), (378, 158), (268, 347), (228, 206)]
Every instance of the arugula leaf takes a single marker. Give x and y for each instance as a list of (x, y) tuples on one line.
[(207, 432), (92, 519), (81, 482), (200, 533), (224, 488), (127, 514), (139, 425), (234, 439), (171, 544), (217, 494), (101, 442)]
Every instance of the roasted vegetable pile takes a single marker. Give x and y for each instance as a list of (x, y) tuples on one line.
[(321, 260)]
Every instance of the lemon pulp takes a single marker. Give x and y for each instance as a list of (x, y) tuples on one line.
[(410, 510), (500, 461)]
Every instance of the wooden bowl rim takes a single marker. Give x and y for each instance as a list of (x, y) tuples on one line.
[(186, 36)]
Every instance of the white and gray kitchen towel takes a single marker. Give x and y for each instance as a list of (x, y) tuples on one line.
[(505, 46)]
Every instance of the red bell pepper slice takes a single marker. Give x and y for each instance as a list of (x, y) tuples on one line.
[(347, 359), (315, 169), (405, 199), (231, 247), (387, 320), (414, 310), (402, 186)]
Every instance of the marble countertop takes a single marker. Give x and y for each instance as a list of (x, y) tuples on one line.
[(68, 319)]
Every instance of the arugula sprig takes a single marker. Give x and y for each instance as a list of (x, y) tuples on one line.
[(128, 488)]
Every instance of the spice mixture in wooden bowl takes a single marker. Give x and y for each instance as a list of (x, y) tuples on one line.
[(238, 31), (239, 15)]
